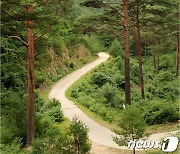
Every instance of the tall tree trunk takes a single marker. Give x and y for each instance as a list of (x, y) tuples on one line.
[(154, 60), (139, 51), (127, 56), (177, 57), (30, 110), (134, 151), (135, 42), (158, 61)]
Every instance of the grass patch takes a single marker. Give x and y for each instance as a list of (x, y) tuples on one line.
[(64, 125), (44, 94), (168, 127)]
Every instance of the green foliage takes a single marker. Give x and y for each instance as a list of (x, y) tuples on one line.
[(116, 49), (134, 70), (39, 78), (163, 89), (112, 95), (100, 78), (79, 137), (102, 92), (93, 44), (13, 148), (53, 141), (12, 121), (13, 74), (158, 112), (133, 126), (46, 115), (57, 45), (53, 110)]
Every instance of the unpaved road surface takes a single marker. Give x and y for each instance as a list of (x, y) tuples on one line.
[(97, 133)]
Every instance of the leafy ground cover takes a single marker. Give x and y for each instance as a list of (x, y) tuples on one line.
[(102, 92)]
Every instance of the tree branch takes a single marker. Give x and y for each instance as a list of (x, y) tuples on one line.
[(7, 14), (20, 39), (109, 31), (38, 37), (40, 4), (107, 4)]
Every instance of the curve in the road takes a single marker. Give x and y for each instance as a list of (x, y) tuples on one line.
[(97, 132)]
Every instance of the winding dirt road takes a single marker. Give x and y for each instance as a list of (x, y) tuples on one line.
[(97, 133)]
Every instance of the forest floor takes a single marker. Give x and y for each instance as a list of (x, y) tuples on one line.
[(100, 136)]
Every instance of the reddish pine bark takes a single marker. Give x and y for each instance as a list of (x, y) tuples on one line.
[(30, 110), (135, 42), (127, 56), (177, 57), (139, 51)]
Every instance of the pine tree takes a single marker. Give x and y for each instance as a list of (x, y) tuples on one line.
[(112, 20), (29, 15), (160, 26), (139, 48), (133, 126), (127, 54)]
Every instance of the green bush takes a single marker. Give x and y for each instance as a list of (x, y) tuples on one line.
[(93, 44), (46, 114), (163, 90), (158, 112), (39, 78), (134, 70), (13, 116), (53, 142), (116, 49), (165, 76), (79, 137), (112, 95), (14, 147), (119, 80), (132, 126), (102, 111), (167, 61), (53, 110), (119, 63), (57, 44), (99, 78), (86, 101)]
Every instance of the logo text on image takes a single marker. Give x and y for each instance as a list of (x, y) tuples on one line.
[(169, 144)]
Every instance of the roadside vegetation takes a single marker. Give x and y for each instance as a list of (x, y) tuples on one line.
[(43, 41), (102, 91)]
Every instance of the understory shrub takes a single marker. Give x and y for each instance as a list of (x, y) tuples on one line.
[(79, 140), (93, 44), (112, 95), (159, 111), (13, 148), (75, 141), (99, 78), (102, 92), (116, 49)]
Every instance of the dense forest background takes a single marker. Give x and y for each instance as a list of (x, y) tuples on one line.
[(143, 71)]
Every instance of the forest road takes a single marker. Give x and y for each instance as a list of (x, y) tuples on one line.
[(97, 133)]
